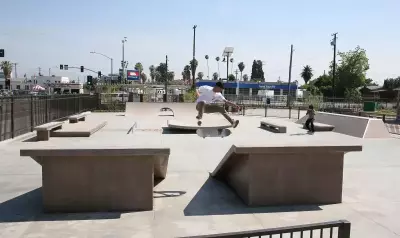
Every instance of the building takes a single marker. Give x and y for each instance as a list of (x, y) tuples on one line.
[(52, 84), (254, 88)]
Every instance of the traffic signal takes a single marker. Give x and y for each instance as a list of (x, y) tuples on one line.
[(82, 69), (1, 52), (65, 66), (89, 79), (61, 67), (99, 74)]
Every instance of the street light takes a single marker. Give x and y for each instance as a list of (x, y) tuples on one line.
[(93, 52)]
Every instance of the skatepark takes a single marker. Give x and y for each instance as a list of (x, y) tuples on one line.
[(255, 178)]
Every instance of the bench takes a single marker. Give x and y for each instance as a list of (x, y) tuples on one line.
[(321, 127), (78, 117), (99, 180), (286, 172), (273, 126), (43, 131)]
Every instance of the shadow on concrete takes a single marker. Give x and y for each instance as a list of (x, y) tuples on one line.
[(28, 207), (300, 134), (269, 130), (31, 139), (165, 194), (215, 198), (168, 130)]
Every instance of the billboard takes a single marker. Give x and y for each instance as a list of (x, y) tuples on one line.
[(133, 74)]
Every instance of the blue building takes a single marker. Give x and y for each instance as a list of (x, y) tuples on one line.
[(252, 88)]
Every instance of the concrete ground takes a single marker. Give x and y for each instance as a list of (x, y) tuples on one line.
[(188, 202)]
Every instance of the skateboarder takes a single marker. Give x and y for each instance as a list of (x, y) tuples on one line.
[(310, 120), (206, 98)]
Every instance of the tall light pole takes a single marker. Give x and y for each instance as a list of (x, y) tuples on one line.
[(333, 43), (123, 62), (194, 52), (228, 51), (94, 52)]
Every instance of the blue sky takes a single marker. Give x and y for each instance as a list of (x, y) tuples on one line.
[(46, 33)]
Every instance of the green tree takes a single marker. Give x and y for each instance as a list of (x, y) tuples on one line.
[(307, 73), (245, 77), (215, 76), (152, 73), (231, 77), (7, 67), (162, 73), (352, 69), (323, 84), (391, 83), (257, 72), (193, 67), (143, 76), (139, 66), (370, 82), (241, 67), (200, 75), (171, 76), (352, 95)]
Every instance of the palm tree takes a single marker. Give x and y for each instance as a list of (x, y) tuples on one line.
[(152, 73), (245, 78), (217, 59), (215, 76), (7, 67), (200, 75), (208, 68), (193, 67), (241, 68), (307, 73), (186, 71)]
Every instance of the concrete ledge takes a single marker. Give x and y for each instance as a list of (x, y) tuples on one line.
[(285, 175), (321, 127), (272, 126), (192, 125), (361, 127), (78, 117), (43, 131), (99, 180), (79, 130)]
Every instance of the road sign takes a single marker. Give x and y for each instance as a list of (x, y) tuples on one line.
[(133, 74)]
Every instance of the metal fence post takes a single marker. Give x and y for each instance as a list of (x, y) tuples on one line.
[(344, 230), (47, 108), (12, 116), (32, 122), (298, 113), (265, 110)]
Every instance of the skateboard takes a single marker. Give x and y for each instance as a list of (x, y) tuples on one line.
[(211, 132)]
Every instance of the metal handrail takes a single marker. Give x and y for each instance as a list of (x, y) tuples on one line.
[(343, 226)]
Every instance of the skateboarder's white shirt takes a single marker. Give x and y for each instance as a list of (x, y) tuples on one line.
[(208, 95)]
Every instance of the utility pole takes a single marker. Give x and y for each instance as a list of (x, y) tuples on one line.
[(194, 51), (333, 43), (290, 79), (166, 79), (237, 83), (123, 62)]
